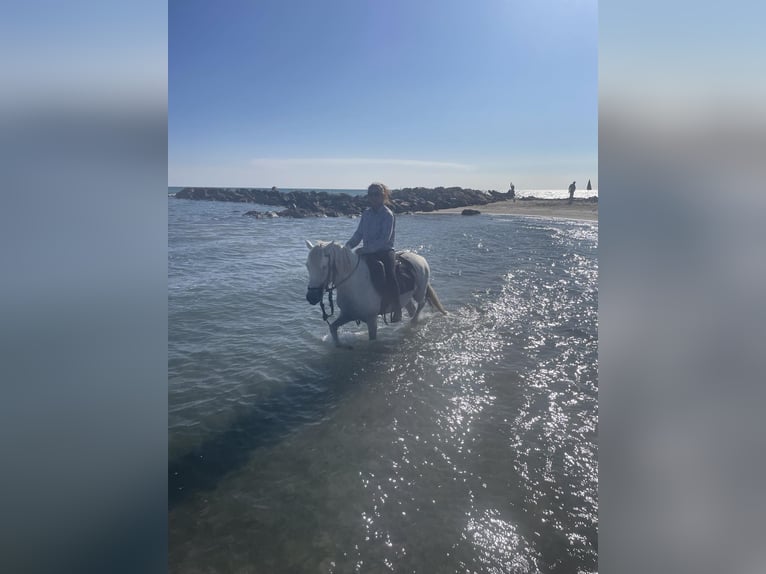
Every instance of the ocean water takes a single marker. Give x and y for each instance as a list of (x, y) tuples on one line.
[(467, 443)]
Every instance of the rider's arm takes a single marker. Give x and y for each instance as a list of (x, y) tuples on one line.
[(357, 236)]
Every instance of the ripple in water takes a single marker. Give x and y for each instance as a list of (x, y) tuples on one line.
[(467, 442)]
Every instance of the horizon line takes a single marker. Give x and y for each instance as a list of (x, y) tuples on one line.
[(364, 188)]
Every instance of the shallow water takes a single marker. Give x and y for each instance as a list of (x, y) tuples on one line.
[(465, 443)]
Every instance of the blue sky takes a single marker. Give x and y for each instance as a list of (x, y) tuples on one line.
[(340, 93)]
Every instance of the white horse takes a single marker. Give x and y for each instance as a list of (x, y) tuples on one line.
[(334, 266)]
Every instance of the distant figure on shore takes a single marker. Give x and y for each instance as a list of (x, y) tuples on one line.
[(512, 192), (589, 187), (572, 188)]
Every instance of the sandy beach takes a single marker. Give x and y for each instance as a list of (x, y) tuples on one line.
[(578, 209)]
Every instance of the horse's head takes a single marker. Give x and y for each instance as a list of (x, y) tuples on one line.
[(318, 265)]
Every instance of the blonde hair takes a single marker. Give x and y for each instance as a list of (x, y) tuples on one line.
[(380, 188)]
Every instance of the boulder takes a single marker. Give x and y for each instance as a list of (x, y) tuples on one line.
[(262, 214)]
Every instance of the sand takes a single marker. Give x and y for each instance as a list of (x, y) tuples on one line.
[(579, 209)]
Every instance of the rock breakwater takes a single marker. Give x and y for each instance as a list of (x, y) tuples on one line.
[(300, 204)]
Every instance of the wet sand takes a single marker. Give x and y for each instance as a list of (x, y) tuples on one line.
[(578, 209)]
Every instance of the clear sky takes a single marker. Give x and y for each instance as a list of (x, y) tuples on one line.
[(340, 93)]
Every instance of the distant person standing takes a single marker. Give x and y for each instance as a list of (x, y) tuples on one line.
[(572, 188), (512, 192)]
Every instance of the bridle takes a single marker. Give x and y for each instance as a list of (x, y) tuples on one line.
[(329, 285)]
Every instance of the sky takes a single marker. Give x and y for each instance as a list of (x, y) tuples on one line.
[(340, 93)]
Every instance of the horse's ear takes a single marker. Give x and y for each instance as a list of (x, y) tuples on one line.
[(309, 244)]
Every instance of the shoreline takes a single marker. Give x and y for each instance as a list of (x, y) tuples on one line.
[(582, 209)]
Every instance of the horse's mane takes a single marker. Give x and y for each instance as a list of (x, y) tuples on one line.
[(342, 257)]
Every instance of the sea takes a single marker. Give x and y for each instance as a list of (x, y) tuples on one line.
[(465, 443)]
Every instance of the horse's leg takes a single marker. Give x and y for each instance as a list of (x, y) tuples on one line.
[(341, 320), (410, 309), (421, 304), (419, 296), (372, 327)]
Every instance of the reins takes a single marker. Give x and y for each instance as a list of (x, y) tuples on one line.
[(335, 285), (325, 316)]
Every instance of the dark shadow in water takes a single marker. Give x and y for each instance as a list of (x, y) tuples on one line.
[(302, 402), (225, 452)]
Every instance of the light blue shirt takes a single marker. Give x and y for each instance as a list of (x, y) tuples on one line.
[(377, 229)]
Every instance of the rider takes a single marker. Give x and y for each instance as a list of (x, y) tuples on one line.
[(377, 229)]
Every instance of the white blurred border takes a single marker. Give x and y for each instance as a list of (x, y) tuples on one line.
[(83, 295), (682, 144)]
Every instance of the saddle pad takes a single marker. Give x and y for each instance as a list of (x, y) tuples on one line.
[(405, 274)]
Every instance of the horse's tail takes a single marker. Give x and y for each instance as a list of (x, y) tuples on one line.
[(433, 299)]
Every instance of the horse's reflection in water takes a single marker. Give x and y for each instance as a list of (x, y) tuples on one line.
[(334, 267)]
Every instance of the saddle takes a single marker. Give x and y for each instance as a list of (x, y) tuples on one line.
[(405, 274)]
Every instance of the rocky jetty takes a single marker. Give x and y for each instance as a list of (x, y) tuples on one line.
[(300, 204)]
